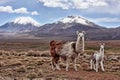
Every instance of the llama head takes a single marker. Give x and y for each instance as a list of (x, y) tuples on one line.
[(102, 46), (56, 45), (80, 34)]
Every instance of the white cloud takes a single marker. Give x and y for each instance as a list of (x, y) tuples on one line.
[(106, 19), (22, 10), (56, 3), (5, 1), (6, 9), (82, 4), (34, 13), (77, 4), (89, 6)]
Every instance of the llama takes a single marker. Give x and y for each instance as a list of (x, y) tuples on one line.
[(67, 51), (80, 38), (55, 57), (98, 57)]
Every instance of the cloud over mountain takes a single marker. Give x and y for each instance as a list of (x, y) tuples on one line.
[(22, 10), (77, 4), (91, 6)]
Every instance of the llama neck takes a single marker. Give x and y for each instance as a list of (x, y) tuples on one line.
[(78, 45), (83, 44), (102, 52)]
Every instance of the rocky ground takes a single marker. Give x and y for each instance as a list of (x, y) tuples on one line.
[(35, 65)]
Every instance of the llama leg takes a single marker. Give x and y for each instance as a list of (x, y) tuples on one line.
[(75, 67), (57, 67), (101, 63), (96, 66), (53, 65), (91, 64), (56, 63), (67, 64)]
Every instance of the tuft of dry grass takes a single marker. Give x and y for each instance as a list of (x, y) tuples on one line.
[(8, 53), (15, 63), (13, 52), (22, 53), (33, 53), (39, 62), (32, 75), (21, 69), (4, 53), (40, 73), (2, 64), (45, 54)]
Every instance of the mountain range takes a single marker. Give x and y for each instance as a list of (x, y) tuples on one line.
[(65, 27)]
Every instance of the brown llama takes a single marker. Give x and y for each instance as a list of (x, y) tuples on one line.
[(68, 51), (55, 56)]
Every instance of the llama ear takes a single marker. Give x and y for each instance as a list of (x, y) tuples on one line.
[(77, 32), (103, 43), (83, 32), (51, 42)]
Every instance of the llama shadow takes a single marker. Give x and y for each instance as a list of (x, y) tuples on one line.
[(92, 70)]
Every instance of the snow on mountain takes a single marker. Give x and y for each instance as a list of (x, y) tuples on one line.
[(26, 20), (75, 19)]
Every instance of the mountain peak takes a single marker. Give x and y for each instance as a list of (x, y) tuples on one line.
[(75, 19), (73, 16), (26, 20)]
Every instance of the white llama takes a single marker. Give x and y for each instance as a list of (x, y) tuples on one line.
[(71, 50), (80, 40), (98, 57)]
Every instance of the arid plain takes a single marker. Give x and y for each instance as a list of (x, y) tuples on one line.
[(30, 60)]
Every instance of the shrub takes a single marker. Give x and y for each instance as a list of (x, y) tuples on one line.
[(21, 69), (45, 54), (13, 52), (33, 53), (2, 64), (40, 73), (3, 52), (22, 53), (16, 63), (31, 75), (39, 62)]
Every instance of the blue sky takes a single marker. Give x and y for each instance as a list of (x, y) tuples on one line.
[(102, 12)]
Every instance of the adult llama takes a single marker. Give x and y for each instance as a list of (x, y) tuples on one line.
[(67, 51)]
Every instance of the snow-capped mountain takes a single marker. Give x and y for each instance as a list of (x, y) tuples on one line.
[(76, 19), (67, 26), (20, 25), (26, 20)]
